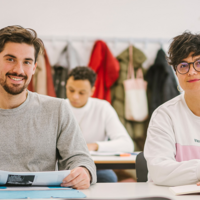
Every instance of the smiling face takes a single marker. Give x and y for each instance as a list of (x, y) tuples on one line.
[(16, 67), (190, 82), (78, 92)]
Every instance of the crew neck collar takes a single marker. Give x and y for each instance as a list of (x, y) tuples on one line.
[(188, 109), (17, 109), (85, 107)]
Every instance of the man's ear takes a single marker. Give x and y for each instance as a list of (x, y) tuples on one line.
[(93, 89), (34, 68)]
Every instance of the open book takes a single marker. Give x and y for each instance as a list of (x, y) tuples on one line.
[(185, 189)]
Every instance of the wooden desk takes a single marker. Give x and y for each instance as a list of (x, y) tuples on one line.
[(114, 162)]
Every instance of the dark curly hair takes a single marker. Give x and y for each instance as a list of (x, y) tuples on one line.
[(18, 34), (181, 46), (83, 73)]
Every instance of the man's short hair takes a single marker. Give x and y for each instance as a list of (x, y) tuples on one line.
[(18, 34), (83, 73), (181, 46)]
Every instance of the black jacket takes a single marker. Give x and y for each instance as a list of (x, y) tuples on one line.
[(162, 85)]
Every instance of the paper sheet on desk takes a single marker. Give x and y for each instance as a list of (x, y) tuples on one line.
[(33, 178), (31, 188), (105, 153)]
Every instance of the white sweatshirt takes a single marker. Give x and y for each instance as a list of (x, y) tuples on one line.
[(172, 147), (99, 121)]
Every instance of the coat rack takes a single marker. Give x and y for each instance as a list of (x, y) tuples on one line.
[(130, 40)]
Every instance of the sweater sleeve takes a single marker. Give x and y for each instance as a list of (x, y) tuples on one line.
[(160, 153), (71, 146), (119, 138)]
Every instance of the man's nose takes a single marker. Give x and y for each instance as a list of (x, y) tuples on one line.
[(18, 68), (76, 96)]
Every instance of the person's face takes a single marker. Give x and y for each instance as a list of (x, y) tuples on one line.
[(78, 92), (16, 67), (190, 82)]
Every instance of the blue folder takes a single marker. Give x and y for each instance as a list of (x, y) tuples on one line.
[(37, 194)]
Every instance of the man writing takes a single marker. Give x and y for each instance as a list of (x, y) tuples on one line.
[(36, 130), (97, 118)]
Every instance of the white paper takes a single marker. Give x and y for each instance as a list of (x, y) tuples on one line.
[(48, 178), (33, 188), (185, 189), (102, 153)]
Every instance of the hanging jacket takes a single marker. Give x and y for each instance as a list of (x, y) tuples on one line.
[(68, 60), (40, 76), (42, 80), (50, 85), (137, 130), (162, 85), (107, 68)]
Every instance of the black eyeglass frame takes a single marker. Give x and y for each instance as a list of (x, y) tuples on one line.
[(189, 66)]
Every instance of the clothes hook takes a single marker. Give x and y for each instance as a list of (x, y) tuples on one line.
[(115, 42), (53, 41), (145, 43), (161, 44)]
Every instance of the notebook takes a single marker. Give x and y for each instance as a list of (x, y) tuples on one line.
[(185, 189)]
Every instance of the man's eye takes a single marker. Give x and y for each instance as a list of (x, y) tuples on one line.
[(71, 91), (27, 62), (82, 93), (10, 59)]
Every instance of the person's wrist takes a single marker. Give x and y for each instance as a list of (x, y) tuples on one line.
[(96, 147), (88, 172)]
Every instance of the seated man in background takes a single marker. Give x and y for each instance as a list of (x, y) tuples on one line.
[(36, 130), (97, 118)]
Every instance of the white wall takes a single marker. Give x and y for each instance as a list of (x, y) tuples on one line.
[(103, 18)]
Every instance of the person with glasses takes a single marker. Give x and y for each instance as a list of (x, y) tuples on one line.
[(172, 148)]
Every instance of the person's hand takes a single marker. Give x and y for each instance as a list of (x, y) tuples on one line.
[(93, 146), (79, 178), (198, 184)]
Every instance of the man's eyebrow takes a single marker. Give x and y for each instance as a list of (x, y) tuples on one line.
[(29, 59), (79, 91), (12, 56)]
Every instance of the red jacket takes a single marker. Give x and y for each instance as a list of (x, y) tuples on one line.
[(107, 68)]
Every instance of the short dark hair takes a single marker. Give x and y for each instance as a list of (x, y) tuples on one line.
[(83, 73), (18, 34), (181, 46)]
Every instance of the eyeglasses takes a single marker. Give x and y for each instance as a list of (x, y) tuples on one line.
[(184, 67)]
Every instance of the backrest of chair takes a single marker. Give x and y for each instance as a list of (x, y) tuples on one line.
[(141, 168)]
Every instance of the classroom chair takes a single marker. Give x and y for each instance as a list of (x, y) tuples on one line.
[(141, 168)]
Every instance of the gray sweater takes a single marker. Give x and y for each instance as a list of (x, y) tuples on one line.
[(37, 133)]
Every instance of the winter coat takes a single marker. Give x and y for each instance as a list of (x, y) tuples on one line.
[(137, 130), (162, 85)]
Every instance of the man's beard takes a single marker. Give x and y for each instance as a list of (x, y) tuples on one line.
[(14, 89)]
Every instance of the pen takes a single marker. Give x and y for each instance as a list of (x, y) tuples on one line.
[(123, 154)]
